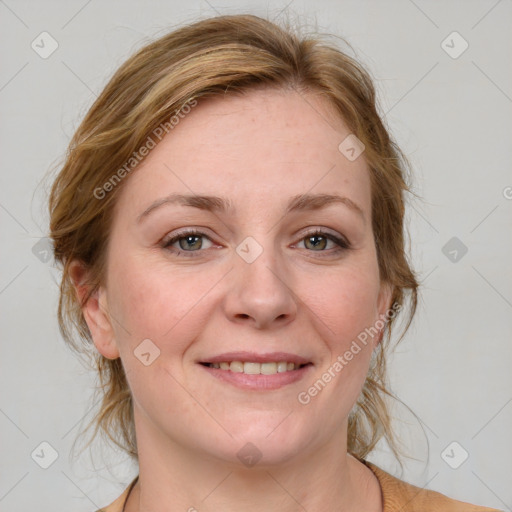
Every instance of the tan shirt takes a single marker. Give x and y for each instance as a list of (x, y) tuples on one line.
[(397, 496)]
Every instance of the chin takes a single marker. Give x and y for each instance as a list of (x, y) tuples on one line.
[(270, 441)]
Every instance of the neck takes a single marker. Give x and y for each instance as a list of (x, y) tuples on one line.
[(325, 478)]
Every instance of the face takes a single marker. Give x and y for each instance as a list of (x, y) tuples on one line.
[(243, 308)]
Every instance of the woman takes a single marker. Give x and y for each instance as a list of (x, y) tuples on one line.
[(230, 224)]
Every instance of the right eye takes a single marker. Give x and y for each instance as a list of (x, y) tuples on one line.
[(188, 241)]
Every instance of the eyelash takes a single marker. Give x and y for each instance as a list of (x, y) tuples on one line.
[(343, 245)]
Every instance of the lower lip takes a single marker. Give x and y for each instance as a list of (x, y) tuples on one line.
[(258, 382)]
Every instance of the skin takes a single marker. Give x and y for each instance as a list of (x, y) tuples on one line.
[(258, 150)]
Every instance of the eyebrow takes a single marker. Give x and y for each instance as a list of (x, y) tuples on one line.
[(301, 202)]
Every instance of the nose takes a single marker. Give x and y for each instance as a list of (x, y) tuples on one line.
[(260, 293)]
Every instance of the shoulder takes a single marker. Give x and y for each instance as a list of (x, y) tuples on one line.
[(118, 504), (399, 496)]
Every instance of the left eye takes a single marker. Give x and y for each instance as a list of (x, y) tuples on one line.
[(318, 241)]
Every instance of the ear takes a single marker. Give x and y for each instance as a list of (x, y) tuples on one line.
[(383, 306), (95, 311)]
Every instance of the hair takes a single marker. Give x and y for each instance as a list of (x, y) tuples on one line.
[(213, 57)]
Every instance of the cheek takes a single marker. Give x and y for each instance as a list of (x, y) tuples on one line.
[(345, 302), (346, 310), (151, 302)]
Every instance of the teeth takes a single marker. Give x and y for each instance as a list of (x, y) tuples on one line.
[(251, 368), (237, 366), (268, 368), (282, 366)]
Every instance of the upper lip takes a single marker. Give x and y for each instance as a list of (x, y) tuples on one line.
[(254, 357)]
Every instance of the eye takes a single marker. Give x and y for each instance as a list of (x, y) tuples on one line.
[(318, 241), (189, 241)]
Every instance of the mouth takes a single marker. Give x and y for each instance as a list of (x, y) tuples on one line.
[(257, 371), (255, 368)]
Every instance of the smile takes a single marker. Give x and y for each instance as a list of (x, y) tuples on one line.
[(254, 368), (255, 371)]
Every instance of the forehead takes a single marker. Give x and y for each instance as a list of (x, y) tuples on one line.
[(264, 146)]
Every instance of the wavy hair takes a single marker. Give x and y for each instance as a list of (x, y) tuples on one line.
[(211, 57)]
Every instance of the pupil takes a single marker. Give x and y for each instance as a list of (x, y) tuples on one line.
[(320, 239), (188, 240)]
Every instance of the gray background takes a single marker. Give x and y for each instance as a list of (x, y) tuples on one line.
[(452, 117)]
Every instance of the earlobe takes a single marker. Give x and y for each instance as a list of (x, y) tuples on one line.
[(383, 308), (95, 311), (384, 300)]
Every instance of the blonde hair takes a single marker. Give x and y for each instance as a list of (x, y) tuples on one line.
[(212, 57)]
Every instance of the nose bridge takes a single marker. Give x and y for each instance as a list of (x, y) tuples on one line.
[(260, 291)]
